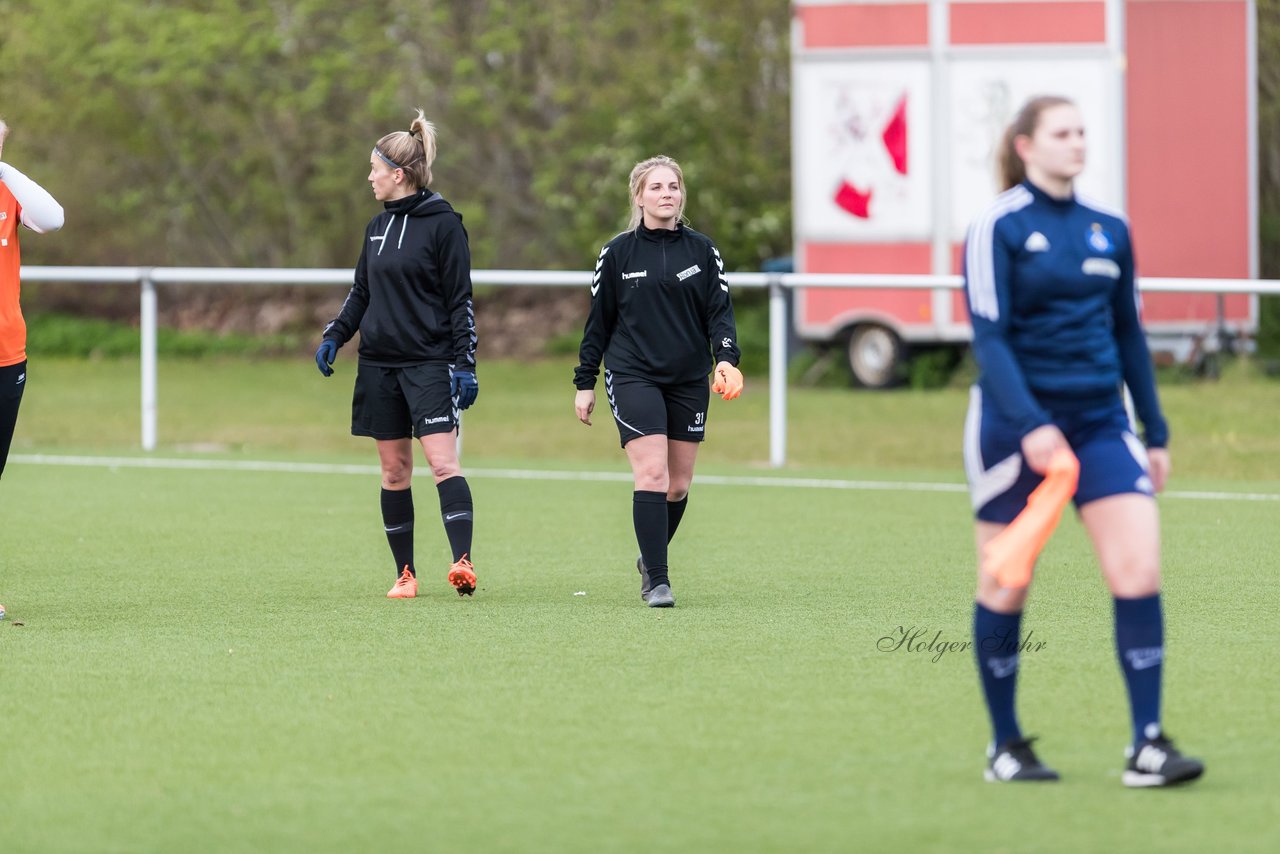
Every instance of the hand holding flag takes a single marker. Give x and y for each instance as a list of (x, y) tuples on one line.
[(1012, 554)]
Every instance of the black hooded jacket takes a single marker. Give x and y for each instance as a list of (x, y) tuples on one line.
[(411, 300), (660, 309)]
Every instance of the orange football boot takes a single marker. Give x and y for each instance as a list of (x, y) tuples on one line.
[(462, 575), (406, 586)]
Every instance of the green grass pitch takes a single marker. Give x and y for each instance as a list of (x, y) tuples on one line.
[(206, 660)]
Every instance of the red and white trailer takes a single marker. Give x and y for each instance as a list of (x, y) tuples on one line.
[(897, 107)]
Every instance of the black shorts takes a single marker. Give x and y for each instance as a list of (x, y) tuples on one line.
[(13, 379), (395, 403), (642, 407)]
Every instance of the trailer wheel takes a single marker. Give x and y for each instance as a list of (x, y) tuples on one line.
[(875, 356)]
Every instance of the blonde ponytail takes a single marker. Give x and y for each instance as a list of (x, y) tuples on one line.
[(413, 150)]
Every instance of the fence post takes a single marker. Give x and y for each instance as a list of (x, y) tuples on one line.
[(777, 372), (147, 323)]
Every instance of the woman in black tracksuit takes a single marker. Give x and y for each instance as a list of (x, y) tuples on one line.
[(661, 317), (411, 303)]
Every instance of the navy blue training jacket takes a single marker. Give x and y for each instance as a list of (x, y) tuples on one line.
[(1055, 310)]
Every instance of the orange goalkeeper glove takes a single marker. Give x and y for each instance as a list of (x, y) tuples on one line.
[(1012, 554), (727, 381)]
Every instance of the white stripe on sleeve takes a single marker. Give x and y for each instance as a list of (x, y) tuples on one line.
[(980, 249)]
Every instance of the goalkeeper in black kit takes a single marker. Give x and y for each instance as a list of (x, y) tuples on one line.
[(411, 304), (661, 319)]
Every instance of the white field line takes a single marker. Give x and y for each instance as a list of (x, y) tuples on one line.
[(534, 474)]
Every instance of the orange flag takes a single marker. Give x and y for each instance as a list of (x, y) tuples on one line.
[(1012, 554)]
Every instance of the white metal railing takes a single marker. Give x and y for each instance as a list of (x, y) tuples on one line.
[(777, 283)]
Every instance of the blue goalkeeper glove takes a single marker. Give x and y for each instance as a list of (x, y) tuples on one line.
[(325, 354), (464, 387)]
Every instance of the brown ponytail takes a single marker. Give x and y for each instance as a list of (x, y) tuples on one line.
[(1012, 170)]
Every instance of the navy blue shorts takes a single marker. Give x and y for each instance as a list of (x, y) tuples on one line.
[(395, 403), (642, 407), (1112, 458)]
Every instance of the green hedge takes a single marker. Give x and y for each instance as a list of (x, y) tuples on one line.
[(68, 335)]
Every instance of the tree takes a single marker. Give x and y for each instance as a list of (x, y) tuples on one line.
[(237, 132)]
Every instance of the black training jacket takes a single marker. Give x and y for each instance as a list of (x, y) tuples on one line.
[(411, 300), (660, 308)]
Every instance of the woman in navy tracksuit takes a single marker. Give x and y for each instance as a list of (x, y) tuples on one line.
[(1056, 332)]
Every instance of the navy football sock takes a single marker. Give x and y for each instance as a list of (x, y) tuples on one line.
[(1140, 645), (995, 643)]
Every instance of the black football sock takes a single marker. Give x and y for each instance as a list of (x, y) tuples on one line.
[(458, 514), (397, 521), (649, 514), (675, 512)]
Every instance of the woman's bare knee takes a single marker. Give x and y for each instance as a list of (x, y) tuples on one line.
[(651, 479), (1002, 600), (396, 476), (648, 458), (441, 451), (443, 470), (1131, 575), (1125, 530)]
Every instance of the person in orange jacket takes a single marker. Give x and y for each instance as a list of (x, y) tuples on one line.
[(22, 201)]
